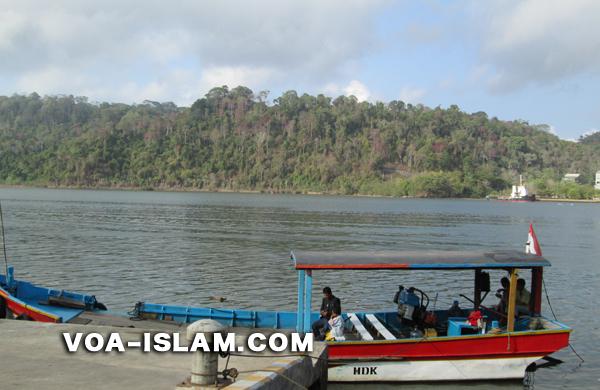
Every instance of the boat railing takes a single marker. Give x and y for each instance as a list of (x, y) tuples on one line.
[(228, 317)]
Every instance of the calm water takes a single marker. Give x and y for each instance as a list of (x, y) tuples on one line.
[(183, 248)]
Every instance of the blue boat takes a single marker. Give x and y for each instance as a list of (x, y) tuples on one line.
[(227, 317), (23, 300)]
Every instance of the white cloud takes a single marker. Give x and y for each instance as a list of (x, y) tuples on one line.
[(238, 75), (357, 89), (412, 94), (10, 25), (331, 89), (353, 88), (52, 78), (538, 41), (590, 132), (131, 48), (175, 85), (547, 128)]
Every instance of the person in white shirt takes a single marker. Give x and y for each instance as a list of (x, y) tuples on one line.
[(336, 326)]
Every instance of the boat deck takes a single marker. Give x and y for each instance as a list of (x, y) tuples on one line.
[(119, 321), (366, 326), (386, 326), (108, 319)]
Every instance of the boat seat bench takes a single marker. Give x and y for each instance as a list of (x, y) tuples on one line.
[(360, 328), (379, 327)]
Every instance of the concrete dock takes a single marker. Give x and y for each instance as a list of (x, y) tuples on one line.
[(34, 356)]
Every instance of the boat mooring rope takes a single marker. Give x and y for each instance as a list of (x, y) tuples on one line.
[(233, 372), (134, 314), (278, 356), (556, 319)]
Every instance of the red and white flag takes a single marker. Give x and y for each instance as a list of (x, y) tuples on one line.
[(532, 246)]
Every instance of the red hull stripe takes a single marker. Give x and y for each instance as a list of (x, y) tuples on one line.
[(540, 344), (443, 358), (19, 308)]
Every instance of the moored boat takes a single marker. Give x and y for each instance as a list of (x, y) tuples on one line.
[(23, 300), (520, 193), (379, 347), (413, 343), (457, 350)]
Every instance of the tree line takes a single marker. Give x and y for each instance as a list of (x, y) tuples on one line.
[(236, 139)]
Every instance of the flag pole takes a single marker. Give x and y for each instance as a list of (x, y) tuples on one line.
[(3, 242)]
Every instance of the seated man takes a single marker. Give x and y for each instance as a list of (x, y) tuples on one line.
[(502, 294), (523, 297), (328, 305), (397, 294), (455, 310)]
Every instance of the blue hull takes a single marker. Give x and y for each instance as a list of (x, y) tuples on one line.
[(242, 318), (29, 301), (227, 317)]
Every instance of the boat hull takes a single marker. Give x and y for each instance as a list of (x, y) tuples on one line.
[(528, 343), (20, 309), (443, 358), (23, 300), (432, 370)]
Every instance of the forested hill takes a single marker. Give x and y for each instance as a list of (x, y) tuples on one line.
[(232, 139)]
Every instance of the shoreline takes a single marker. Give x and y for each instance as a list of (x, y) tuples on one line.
[(561, 200), (214, 191), (246, 191)]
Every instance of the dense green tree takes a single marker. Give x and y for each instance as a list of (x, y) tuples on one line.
[(592, 138), (233, 139)]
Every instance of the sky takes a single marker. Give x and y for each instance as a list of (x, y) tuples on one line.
[(532, 60)]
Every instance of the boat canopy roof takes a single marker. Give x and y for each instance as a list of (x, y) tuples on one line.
[(428, 259)]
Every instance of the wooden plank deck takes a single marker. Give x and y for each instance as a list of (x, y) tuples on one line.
[(379, 327), (107, 319), (360, 328)]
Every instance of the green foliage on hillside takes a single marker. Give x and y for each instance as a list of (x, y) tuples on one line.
[(233, 139), (592, 138)]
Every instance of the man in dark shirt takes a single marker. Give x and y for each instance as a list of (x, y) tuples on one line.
[(329, 304)]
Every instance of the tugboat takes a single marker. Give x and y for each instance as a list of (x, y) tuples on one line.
[(520, 194)]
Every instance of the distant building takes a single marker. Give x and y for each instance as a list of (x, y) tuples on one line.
[(597, 186), (571, 177)]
